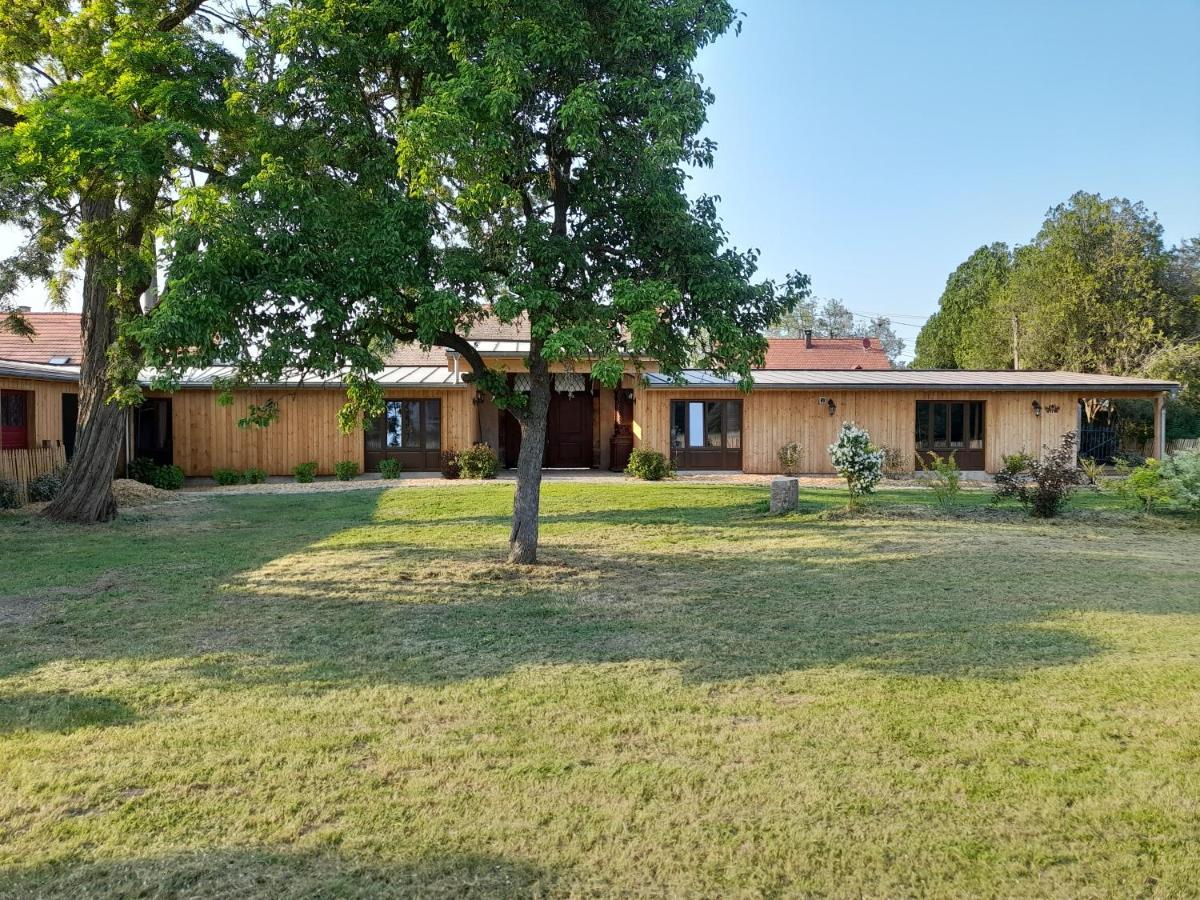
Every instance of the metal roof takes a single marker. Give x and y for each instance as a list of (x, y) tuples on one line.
[(15, 368), (392, 376), (915, 379), (774, 379)]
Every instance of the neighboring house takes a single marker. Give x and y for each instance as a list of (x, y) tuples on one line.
[(701, 420), (810, 352)]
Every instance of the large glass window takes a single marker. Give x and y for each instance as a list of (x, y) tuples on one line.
[(406, 425), (711, 424), (949, 425)]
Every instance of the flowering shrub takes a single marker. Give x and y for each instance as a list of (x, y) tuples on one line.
[(857, 460)]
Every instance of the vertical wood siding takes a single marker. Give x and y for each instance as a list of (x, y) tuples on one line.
[(45, 425), (206, 435), (772, 418)]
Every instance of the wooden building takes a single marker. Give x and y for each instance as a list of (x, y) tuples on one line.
[(702, 421)]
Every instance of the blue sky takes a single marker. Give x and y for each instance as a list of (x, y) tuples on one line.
[(874, 145)]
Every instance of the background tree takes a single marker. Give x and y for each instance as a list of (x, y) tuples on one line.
[(430, 166), (967, 332), (834, 319), (103, 108)]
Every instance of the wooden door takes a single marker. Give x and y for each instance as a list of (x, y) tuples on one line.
[(568, 432), (14, 420)]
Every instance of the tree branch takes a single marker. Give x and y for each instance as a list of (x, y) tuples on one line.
[(8, 118), (172, 20)]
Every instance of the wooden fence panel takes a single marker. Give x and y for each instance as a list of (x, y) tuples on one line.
[(22, 466)]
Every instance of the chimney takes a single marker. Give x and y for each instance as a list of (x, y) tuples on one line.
[(866, 343), (808, 339)]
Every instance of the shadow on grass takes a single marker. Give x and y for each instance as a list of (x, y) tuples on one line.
[(263, 873), (59, 711), (333, 591)]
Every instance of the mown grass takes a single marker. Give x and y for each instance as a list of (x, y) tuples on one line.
[(348, 695)]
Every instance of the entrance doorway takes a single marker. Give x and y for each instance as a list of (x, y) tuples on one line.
[(568, 428), (15, 407), (152, 431)]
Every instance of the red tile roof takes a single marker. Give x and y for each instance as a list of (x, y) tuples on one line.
[(57, 335), (826, 353)]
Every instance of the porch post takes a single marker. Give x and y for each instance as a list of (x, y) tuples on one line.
[(1159, 449)]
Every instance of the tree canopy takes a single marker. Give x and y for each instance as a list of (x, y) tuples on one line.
[(105, 110), (417, 168), (1094, 291)]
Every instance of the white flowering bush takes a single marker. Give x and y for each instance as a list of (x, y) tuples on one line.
[(857, 460)]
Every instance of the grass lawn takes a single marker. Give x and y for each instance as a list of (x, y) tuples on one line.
[(347, 695)]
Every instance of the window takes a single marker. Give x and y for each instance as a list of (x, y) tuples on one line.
[(949, 425), (406, 425), (711, 424)]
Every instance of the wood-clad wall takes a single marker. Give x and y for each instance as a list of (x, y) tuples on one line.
[(772, 418), (206, 435), (45, 426)]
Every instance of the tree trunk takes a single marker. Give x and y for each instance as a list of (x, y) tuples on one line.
[(523, 540), (86, 494)]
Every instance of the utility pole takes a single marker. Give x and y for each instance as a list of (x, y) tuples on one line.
[(1016, 340)]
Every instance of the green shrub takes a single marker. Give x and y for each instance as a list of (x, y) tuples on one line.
[(944, 478), (1042, 486), (789, 458), (390, 468), (45, 487), (1092, 470), (1144, 486), (168, 478), (449, 462), (254, 475), (479, 461), (345, 470), (1182, 472), (143, 469), (227, 477), (648, 465), (305, 472), (10, 494)]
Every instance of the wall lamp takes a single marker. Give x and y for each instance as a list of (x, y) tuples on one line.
[(1037, 408), (830, 406)]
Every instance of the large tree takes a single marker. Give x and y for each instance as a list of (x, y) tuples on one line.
[(104, 107), (431, 165), (965, 333), (1094, 291)]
